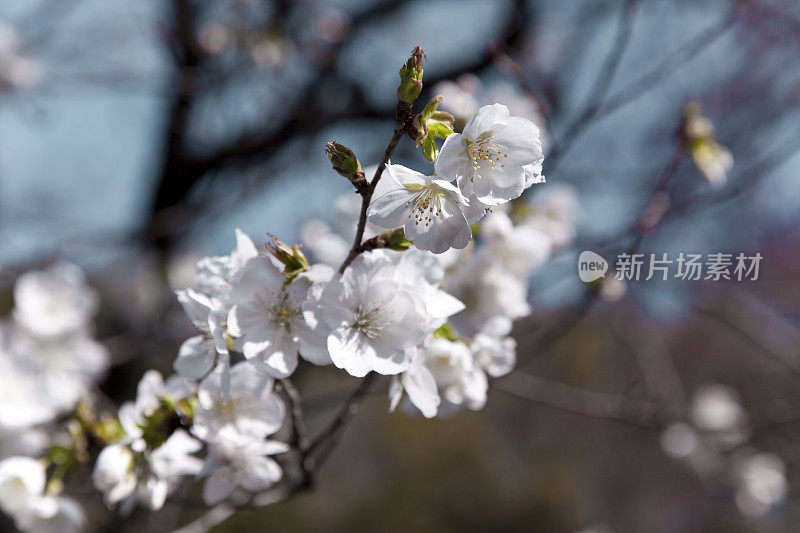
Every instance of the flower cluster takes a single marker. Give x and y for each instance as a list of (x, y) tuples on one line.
[(23, 497), (714, 444), (492, 162), (48, 363), (47, 354), (426, 294), (386, 311), (240, 303)]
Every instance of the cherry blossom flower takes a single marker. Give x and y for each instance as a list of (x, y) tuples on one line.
[(267, 315), (22, 485), (214, 274), (554, 211), (252, 411), (420, 386), (495, 158), (519, 248), (424, 271), (151, 391), (53, 514), (197, 354), (371, 321), (54, 302), (492, 348), (244, 465), (113, 473), (149, 479), (66, 366), (443, 379), (428, 209), (487, 289), (22, 479)]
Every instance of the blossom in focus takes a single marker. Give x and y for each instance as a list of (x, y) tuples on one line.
[(464, 96), (330, 243), (424, 272), (427, 208), (419, 384), (495, 158), (370, 320), (267, 316)]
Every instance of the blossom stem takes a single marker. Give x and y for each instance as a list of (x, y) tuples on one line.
[(300, 437), (366, 193), (321, 447)]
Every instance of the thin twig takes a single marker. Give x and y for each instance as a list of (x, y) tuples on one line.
[(638, 88), (321, 447), (366, 195), (600, 87), (211, 519), (579, 401), (299, 432)]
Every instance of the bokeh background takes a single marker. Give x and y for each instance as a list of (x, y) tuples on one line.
[(135, 136)]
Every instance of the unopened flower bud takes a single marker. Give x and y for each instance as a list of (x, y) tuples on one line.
[(429, 125), (411, 77), (344, 162), (447, 331), (292, 257), (396, 240), (417, 129), (711, 158)]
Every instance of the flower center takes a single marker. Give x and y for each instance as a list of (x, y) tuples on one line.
[(426, 204), (280, 313), (485, 150), (369, 322), (227, 410)]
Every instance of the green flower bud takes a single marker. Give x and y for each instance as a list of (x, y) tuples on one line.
[(411, 77), (430, 125), (396, 240), (293, 259), (446, 331), (344, 162), (712, 159)]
